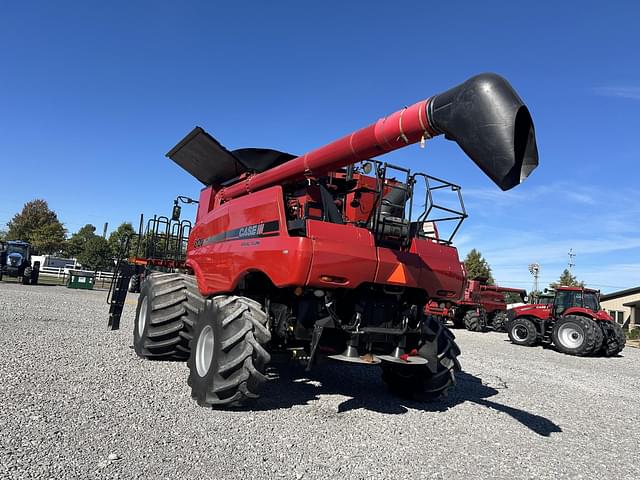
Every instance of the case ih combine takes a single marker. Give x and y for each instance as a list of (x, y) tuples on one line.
[(322, 252), (483, 306), (573, 322)]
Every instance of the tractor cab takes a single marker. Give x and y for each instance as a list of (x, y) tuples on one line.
[(15, 261), (17, 253), (570, 297)]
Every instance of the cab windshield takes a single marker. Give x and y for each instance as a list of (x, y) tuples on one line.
[(591, 301), (576, 298), (17, 249)]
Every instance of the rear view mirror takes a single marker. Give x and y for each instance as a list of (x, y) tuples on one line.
[(175, 215)]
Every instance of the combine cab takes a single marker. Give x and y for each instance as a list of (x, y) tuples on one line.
[(15, 261), (573, 322), (331, 251), (483, 306)]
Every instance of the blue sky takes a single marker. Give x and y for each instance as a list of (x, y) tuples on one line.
[(93, 94)]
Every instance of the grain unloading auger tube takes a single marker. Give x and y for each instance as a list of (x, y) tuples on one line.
[(484, 116)]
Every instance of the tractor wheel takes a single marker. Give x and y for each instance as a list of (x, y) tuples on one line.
[(439, 348), (26, 276), (134, 283), (35, 273), (168, 307), (473, 321), (575, 335), (614, 339), (228, 356), (599, 338), (499, 322), (522, 331)]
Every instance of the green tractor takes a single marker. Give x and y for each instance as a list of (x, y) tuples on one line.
[(15, 261)]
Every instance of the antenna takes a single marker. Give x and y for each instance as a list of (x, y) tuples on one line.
[(534, 269), (571, 255)]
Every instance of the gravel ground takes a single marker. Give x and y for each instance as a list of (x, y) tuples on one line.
[(75, 402)]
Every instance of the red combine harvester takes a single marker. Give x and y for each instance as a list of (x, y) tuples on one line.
[(483, 306), (573, 322), (326, 251)]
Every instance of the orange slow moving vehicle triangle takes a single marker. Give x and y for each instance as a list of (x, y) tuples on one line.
[(398, 275)]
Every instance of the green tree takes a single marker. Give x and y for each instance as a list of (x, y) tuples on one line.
[(96, 254), (512, 297), (3, 235), (477, 266), (534, 295), (567, 280), (38, 225), (78, 241), (115, 238)]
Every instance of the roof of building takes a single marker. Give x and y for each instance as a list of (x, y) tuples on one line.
[(620, 293)]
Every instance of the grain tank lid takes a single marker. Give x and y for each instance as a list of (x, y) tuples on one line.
[(210, 162), (205, 158)]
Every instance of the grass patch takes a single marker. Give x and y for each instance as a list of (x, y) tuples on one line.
[(633, 334)]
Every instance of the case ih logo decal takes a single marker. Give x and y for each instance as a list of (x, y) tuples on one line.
[(258, 230)]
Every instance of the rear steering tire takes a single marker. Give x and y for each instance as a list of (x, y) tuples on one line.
[(228, 355), (438, 346), (522, 331), (168, 307), (575, 335), (458, 320)]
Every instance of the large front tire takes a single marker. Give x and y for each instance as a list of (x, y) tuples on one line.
[(439, 348), (522, 331), (168, 307), (575, 335), (228, 355), (499, 322), (474, 321)]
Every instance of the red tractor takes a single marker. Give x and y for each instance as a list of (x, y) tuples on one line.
[(573, 322), (483, 306), (326, 252)]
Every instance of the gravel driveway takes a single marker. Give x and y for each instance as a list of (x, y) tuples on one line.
[(75, 402)]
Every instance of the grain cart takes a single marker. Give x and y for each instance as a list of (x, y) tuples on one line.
[(483, 306), (327, 251), (15, 261), (574, 322)]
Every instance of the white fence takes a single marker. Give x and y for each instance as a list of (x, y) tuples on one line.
[(64, 272)]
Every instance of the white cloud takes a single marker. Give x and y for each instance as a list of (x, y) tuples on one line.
[(632, 93)]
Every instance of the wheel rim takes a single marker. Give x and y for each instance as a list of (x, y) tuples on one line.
[(570, 335), (204, 350), (142, 318), (520, 333)]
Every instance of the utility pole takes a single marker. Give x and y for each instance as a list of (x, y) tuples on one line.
[(571, 255), (534, 269), (104, 230)]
